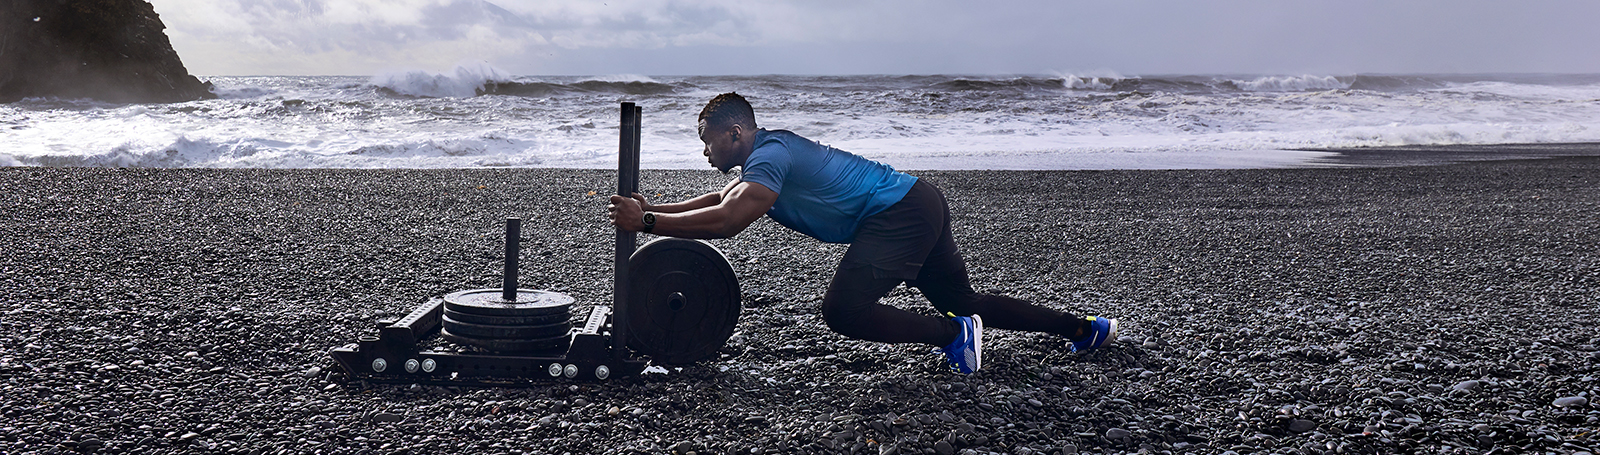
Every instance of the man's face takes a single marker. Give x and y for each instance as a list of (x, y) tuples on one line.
[(720, 146)]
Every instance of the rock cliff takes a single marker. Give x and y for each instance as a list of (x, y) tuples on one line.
[(108, 50)]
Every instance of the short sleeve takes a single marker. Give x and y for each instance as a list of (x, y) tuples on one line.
[(767, 165)]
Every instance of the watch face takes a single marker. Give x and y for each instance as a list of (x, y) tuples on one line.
[(650, 219)]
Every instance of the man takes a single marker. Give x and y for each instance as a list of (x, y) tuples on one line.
[(897, 225)]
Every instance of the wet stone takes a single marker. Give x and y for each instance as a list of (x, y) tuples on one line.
[(1243, 394), (1571, 402), (90, 445)]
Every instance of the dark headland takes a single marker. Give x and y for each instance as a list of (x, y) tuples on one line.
[(1435, 309), (107, 50)]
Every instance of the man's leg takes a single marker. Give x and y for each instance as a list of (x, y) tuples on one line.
[(888, 250), (851, 308), (943, 280), (951, 292)]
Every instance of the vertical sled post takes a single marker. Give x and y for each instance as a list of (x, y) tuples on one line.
[(508, 287), (627, 184)]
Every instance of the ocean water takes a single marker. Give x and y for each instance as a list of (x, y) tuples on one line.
[(478, 116)]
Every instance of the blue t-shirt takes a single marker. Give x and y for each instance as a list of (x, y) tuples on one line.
[(822, 191)]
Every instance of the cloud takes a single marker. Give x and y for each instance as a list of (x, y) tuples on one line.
[(363, 37), (340, 36), (357, 37)]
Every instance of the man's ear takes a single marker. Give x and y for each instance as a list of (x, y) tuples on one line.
[(736, 130)]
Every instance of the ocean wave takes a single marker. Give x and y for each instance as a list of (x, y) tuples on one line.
[(1090, 82), (626, 87), (1113, 82), (1379, 83), (182, 153), (564, 121), (243, 92), (465, 81), (1290, 83), (1017, 83), (1110, 81), (543, 89)]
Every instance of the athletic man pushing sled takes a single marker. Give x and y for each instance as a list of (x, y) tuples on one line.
[(898, 228)]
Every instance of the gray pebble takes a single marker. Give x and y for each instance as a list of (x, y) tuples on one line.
[(1301, 425), (1571, 402), (90, 445), (275, 400)]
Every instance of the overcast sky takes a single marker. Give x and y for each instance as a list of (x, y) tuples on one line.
[(725, 37)]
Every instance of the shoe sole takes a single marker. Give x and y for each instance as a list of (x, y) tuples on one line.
[(977, 343), (1111, 334)]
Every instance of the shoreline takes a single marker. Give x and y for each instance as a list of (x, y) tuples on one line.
[(1386, 156), (1363, 309), (1430, 155)]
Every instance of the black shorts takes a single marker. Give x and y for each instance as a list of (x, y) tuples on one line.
[(910, 236)]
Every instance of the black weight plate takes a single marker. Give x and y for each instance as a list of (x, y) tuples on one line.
[(683, 300), (544, 344), (487, 302), (507, 320), (510, 332)]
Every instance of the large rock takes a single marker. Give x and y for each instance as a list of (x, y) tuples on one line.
[(109, 50)]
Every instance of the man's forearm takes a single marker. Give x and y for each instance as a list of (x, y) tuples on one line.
[(699, 202), (703, 223)]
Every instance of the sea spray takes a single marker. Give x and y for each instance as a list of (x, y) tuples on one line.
[(466, 80), (478, 116)]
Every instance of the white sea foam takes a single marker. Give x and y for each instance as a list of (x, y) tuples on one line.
[(911, 123), (1092, 80), (1291, 83), (464, 81), (622, 78)]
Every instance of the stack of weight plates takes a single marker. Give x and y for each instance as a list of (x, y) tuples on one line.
[(535, 321)]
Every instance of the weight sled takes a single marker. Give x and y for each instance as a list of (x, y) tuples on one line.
[(679, 297)]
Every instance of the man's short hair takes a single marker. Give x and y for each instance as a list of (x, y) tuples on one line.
[(728, 109)]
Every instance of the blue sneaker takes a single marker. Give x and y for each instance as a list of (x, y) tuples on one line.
[(1102, 333), (966, 352)]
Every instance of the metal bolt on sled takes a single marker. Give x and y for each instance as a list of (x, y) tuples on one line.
[(675, 301)]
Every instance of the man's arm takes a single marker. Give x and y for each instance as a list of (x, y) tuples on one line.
[(739, 205), (698, 202)]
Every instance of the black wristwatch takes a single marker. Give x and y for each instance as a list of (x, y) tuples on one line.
[(649, 222)]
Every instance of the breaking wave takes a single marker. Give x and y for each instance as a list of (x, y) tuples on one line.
[(1290, 83), (477, 80), (478, 116), (464, 81)]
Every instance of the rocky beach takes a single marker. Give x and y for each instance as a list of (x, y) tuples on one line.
[(1418, 309)]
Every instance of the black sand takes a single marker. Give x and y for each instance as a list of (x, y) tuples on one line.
[(1440, 309)]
